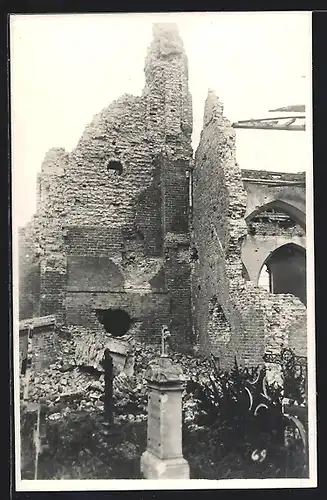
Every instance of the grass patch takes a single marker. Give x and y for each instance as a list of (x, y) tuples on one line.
[(82, 446)]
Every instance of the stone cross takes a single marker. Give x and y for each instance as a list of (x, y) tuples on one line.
[(165, 334)]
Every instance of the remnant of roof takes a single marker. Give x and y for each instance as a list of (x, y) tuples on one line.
[(295, 108), (290, 122)]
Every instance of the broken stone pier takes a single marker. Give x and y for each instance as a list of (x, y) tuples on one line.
[(163, 458)]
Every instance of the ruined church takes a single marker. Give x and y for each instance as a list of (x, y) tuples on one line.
[(133, 231)]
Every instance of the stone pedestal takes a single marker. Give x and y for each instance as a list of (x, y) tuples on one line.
[(163, 458)]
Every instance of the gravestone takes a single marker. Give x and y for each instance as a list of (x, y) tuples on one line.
[(163, 458)]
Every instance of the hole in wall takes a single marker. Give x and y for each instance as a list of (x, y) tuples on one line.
[(115, 321), (139, 235), (116, 166), (251, 229), (194, 254)]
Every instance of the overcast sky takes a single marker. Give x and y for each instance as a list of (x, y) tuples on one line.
[(66, 68)]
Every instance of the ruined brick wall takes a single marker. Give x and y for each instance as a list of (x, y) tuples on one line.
[(231, 315), (48, 225), (29, 272), (113, 213)]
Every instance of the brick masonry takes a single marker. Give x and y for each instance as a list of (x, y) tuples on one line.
[(112, 215)]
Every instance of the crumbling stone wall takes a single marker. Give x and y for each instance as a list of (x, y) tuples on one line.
[(231, 315), (29, 272), (112, 217)]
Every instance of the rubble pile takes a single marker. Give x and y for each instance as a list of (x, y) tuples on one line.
[(75, 381)]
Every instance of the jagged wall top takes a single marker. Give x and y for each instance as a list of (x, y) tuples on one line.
[(166, 44), (166, 40), (214, 110)]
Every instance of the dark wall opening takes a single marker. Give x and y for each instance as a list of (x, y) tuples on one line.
[(117, 322), (287, 269), (116, 166)]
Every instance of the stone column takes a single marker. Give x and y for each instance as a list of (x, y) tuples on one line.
[(163, 458)]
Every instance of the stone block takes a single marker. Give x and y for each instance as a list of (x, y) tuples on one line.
[(153, 467)]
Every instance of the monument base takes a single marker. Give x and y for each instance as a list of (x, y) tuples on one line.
[(153, 467)]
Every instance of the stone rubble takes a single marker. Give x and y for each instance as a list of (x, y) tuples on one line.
[(68, 384)]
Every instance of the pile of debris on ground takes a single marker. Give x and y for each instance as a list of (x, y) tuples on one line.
[(75, 380)]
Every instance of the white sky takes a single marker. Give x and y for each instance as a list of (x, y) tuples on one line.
[(66, 68)]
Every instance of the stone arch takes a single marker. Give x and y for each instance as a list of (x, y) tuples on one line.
[(287, 268), (296, 211), (257, 247), (255, 254)]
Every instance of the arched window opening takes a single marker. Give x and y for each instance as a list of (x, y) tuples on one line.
[(117, 322), (116, 166), (280, 213), (265, 278), (286, 267)]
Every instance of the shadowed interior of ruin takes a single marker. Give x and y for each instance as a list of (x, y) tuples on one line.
[(287, 269)]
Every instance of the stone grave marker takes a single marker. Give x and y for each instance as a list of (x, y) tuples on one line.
[(163, 458)]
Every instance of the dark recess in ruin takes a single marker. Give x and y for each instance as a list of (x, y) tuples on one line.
[(116, 166), (194, 254), (115, 321)]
